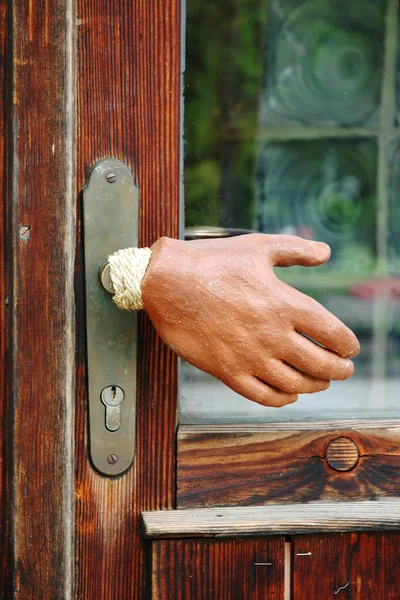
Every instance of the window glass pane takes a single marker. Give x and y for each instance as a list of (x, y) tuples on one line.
[(323, 62), (323, 190), (290, 127)]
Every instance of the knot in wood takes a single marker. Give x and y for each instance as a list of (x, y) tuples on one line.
[(342, 454)]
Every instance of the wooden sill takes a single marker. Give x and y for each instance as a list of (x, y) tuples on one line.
[(274, 519)]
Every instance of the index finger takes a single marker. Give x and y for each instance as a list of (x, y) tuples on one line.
[(290, 250), (315, 321)]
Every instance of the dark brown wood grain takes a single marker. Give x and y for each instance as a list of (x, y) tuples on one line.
[(241, 569), (253, 465), (4, 450), (129, 108), (42, 201), (346, 566)]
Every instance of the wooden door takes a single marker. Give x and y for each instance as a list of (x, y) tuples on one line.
[(80, 82)]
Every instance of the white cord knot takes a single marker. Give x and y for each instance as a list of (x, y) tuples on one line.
[(127, 270)]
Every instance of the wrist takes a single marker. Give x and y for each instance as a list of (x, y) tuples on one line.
[(166, 260)]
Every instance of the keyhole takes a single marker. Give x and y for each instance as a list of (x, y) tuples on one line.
[(113, 391)]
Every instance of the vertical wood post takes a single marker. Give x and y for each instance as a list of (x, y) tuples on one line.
[(42, 241), (4, 447)]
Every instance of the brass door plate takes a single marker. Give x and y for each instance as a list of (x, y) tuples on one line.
[(111, 222)]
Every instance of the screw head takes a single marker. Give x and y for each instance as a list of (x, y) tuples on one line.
[(112, 459), (25, 232), (111, 177)]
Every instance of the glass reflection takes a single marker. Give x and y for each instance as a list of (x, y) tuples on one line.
[(324, 62), (290, 127), (324, 190)]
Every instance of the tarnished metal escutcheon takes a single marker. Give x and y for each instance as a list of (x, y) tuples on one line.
[(111, 222)]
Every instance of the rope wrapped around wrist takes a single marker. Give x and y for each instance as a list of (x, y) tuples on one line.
[(127, 270)]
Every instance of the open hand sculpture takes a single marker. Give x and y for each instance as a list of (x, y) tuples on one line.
[(219, 305)]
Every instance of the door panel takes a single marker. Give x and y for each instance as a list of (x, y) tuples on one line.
[(129, 108), (242, 569), (347, 566)]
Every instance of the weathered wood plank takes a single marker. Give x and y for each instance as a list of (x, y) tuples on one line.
[(218, 570), (129, 108), (251, 465), (42, 193), (353, 566), (4, 433), (283, 519)]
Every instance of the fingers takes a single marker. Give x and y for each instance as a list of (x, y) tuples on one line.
[(292, 381), (314, 320), (256, 390), (289, 250), (303, 354)]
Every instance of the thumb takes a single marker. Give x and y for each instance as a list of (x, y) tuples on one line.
[(290, 250)]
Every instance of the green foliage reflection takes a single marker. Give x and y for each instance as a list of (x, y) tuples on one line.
[(222, 90)]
